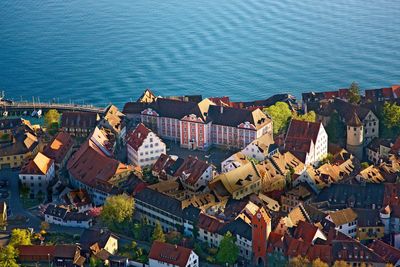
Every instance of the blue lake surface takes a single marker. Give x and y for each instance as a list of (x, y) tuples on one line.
[(110, 51)]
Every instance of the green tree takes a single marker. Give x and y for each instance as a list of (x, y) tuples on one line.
[(158, 233), (8, 256), (391, 115), (328, 158), (335, 128), (310, 116), (298, 261), (51, 119), (24, 191), (117, 210), (354, 93), (94, 262), (20, 237), (319, 263), (280, 114), (364, 165), (228, 251)]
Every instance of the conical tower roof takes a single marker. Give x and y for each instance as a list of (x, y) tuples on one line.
[(354, 121)]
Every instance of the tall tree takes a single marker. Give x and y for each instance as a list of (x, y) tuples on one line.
[(117, 209), (158, 233), (310, 116), (228, 251), (391, 115), (335, 128), (20, 237), (354, 93), (280, 114), (8, 256), (51, 119), (298, 261)]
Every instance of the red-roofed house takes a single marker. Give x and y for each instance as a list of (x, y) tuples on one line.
[(60, 149), (93, 170), (164, 254), (308, 141), (387, 252), (37, 173), (195, 173), (208, 229), (144, 147)]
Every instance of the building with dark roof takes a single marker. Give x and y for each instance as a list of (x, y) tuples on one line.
[(61, 215), (159, 207), (79, 124), (339, 196), (199, 125), (59, 255), (17, 144), (95, 240)]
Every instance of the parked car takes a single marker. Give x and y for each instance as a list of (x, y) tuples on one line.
[(3, 183), (4, 194)]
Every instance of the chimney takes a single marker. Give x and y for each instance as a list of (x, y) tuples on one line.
[(176, 247), (221, 109), (138, 135)]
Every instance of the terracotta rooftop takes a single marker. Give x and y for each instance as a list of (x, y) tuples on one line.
[(39, 165), (137, 136), (92, 167), (59, 147), (191, 170), (171, 254)]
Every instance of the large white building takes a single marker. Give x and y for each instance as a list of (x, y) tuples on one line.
[(144, 147), (37, 173), (308, 141)]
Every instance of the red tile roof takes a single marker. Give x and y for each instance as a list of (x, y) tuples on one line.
[(305, 231), (137, 136), (191, 170), (300, 134), (303, 130), (386, 251), (92, 167), (168, 253), (39, 165), (59, 147), (210, 224)]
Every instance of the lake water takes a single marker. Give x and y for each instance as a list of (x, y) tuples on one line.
[(109, 51)]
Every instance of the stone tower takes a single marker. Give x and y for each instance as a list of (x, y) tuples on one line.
[(355, 136)]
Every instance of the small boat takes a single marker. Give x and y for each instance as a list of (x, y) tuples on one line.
[(25, 113), (34, 113), (39, 113), (5, 113)]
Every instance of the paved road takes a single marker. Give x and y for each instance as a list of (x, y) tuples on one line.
[(18, 211)]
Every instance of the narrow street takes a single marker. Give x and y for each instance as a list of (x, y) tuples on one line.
[(22, 218)]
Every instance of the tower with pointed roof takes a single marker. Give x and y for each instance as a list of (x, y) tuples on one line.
[(261, 228), (355, 136)]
